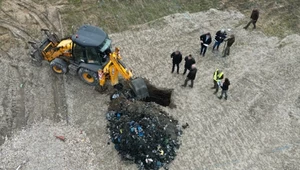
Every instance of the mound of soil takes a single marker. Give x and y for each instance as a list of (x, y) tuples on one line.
[(143, 133)]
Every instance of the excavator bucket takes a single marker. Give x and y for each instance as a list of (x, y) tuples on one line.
[(36, 52), (139, 88)]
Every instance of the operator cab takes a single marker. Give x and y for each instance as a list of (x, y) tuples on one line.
[(91, 45)]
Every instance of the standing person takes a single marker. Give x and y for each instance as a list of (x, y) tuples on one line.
[(229, 42), (219, 38), (189, 61), (217, 77), (205, 40), (177, 58), (191, 76), (224, 88), (254, 17)]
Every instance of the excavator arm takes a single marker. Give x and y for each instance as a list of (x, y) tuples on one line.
[(115, 67)]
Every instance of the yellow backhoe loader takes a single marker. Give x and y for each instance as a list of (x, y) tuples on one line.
[(87, 54)]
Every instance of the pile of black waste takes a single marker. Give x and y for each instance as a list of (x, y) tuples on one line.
[(143, 133)]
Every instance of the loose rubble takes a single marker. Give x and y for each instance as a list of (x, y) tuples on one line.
[(48, 145), (143, 133)]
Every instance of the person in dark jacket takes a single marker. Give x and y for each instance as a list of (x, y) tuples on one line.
[(225, 87), (229, 43), (219, 38), (189, 61), (177, 58), (191, 76), (205, 40), (254, 17)]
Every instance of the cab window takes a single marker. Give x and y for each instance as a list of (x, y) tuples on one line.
[(92, 55), (79, 53)]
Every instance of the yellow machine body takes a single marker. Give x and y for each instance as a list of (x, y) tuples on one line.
[(63, 48), (62, 60), (113, 69)]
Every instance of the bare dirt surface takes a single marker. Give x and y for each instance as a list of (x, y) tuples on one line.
[(256, 128), (32, 146)]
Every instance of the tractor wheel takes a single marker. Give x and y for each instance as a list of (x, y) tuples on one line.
[(59, 66), (88, 76)]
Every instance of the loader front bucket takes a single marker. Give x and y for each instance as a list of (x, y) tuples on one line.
[(38, 48), (139, 88)]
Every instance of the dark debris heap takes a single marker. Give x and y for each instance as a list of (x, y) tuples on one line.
[(143, 133)]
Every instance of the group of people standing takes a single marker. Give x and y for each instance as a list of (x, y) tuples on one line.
[(205, 41), (220, 37), (189, 65)]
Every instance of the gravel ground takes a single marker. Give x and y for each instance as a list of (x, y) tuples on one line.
[(256, 128)]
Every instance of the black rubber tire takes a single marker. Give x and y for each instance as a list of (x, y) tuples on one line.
[(88, 76), (59, 66)]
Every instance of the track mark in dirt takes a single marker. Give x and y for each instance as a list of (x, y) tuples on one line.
[(4, 53), (39, 17), (18, 110), (297, 102), (255, 110), (13, 103), (5, 131), (11, 23), (7, 59), (16, 30), (60, 103), (8, 16), (60, 23)]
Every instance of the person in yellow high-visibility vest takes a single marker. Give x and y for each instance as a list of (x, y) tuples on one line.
[(217, 78)]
